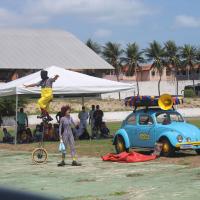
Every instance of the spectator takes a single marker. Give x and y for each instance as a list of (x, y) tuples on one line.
[(22, 120), (7, 138), (83, 116), (81, 134), (38, 133), (105, 132), (98, 116), (29, 135), (91, 119), (23, 137), (60, 114), (51, 132)]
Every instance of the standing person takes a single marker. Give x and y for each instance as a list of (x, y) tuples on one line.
[(98, 117), (91, 120), (22, 120), (59, 115), (46, 93), (83, 116), (67, 137)]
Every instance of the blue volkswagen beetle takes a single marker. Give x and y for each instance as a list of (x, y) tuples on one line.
[(145, 127)]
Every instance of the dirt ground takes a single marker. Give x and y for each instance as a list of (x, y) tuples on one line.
[(164, 178), (105, 104)]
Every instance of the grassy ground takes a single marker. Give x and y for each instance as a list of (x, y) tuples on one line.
[(176, 178), (84, 148)]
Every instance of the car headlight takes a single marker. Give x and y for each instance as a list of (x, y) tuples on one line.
[(179, 138), (188, 139)]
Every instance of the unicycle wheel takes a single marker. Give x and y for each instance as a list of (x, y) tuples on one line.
[(39, 155)]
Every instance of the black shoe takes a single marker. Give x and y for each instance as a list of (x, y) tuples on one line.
[(62, 163), (74, 163), (49, 118)]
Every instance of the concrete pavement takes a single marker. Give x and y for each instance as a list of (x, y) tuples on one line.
[(108, 116)]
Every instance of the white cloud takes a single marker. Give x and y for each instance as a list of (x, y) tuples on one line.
[(95, 11), (102, 33), (187, 21)]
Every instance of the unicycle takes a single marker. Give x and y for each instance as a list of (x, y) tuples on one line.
[(39, 154)]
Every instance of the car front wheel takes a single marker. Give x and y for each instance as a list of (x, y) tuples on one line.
[(167, 149), (120, 145), (198, 151)]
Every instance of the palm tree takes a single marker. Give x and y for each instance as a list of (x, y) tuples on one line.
[(156, 53), (189, 54), (133, 59), (112, 52), (94, 46), (173, 58)]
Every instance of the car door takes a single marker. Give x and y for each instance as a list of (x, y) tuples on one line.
[(130, 127), (145, 136)]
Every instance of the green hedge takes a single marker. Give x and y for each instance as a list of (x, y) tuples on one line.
[(189, 93)]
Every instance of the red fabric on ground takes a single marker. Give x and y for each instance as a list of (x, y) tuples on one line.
[(128, 157)]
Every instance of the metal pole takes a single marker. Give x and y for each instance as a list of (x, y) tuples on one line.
[(16, 108)]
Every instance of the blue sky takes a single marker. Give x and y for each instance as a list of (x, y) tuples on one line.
[(121, 21)]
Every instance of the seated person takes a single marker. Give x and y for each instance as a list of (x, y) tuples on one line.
[(46, 132), (38, 133), (51, 132), (7, 138), (104, 131), (80, 133), (85, 135), (23, 137), (29, 135)]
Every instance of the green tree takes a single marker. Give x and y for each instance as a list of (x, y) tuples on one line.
[(156, 54), (94, 46), (188, 55), (8, 105), (133, 58), (173, 58), (112, 52)]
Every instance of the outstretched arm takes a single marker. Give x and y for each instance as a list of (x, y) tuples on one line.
[(55, 77), (31, 85)]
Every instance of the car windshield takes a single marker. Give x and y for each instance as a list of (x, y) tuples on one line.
[(167, 118)]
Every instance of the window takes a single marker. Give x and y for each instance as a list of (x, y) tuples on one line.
[(166, 118), (162, 118), (145, 119), (131, 120), (153, 73)]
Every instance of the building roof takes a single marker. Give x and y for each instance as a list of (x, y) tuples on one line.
[(68, 83), (37, 49)]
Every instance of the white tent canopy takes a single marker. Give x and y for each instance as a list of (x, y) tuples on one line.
[(68, 83)]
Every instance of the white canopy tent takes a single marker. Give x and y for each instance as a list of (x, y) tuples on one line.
[(68, 83)]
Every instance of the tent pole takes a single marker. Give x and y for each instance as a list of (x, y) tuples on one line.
[(82, 101), (16, 108)]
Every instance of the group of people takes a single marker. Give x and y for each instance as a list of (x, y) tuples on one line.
[(98, 126), (67, 130)]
